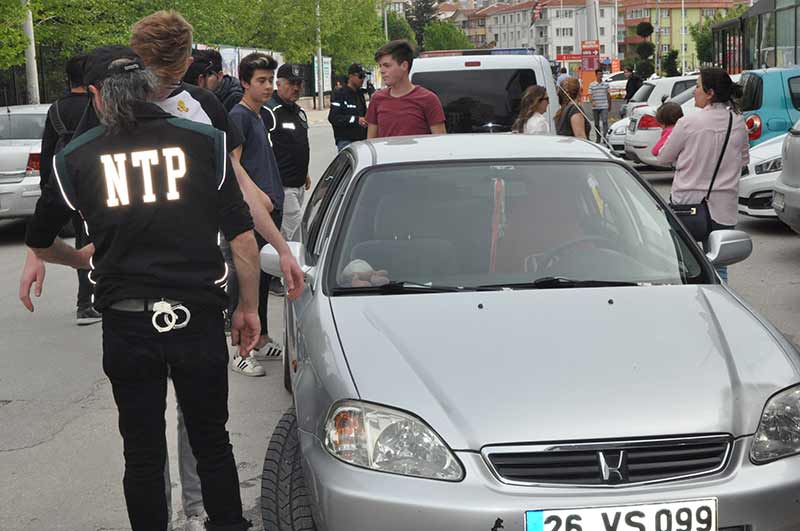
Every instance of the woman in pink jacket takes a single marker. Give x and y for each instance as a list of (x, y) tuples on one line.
[(695, 144)]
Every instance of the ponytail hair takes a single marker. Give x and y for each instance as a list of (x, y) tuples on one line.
[(128, 83), (725, 90)]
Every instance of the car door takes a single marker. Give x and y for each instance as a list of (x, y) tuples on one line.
[(792, 99), (320, 208)]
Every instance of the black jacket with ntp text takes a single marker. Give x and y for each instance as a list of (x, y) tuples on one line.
[(154, 198)]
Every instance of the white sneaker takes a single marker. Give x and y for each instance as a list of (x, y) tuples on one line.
[(269, 352), (247, 366), (195, 523)]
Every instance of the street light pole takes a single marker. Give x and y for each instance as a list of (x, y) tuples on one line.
[(385, 21), (320, 70), (658, 37), (31, 73), (683, 37)]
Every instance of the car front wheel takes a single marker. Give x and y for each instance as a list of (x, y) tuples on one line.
[(285, 503)]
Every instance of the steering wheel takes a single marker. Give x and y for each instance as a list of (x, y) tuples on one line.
[(553, 256)]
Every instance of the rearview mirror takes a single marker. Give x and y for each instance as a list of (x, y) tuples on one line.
[(270, 260), (728, 247)]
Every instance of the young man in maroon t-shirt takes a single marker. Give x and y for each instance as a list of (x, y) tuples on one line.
[(403, 108)]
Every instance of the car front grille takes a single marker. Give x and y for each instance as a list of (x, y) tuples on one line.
[(610, 463)]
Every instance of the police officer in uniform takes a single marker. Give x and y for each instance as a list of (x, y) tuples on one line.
[(348, 109), (290, 144), (154, 191)]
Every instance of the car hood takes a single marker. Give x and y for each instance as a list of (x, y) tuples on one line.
[(766, 150), (570, 364)]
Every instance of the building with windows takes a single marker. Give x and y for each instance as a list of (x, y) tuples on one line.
[(671, 25), (764, 36), (510, 26), (560, 26)]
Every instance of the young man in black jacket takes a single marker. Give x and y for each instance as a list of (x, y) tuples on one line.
[(63, 118), (348, 109)]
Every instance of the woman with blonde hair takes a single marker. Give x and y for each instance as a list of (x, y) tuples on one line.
[(531, 119), (569, 118)]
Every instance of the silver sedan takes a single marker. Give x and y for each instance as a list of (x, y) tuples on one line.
[(506, 332), (21, 129)]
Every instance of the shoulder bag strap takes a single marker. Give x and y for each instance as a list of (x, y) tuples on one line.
[(721, 155)]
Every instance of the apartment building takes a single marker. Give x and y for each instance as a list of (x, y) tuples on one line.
[(561, 26)]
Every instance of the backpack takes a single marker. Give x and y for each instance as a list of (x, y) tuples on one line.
[(64, 134)]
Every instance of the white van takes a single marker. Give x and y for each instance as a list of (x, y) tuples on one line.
[(481, 93)]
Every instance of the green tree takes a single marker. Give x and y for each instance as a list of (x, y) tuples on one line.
[(645, 50), (12, 38), (644, 30), (420, 13), (440, 35), (399, 28), (645, 69), (702, 35), (669, 64)]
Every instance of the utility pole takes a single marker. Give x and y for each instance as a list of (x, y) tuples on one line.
[(31, 73), (385, 21), (683, 37), (616, 29), (320, 69), (658, 37)]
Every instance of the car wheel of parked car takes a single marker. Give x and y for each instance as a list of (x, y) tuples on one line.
[(285, 504)]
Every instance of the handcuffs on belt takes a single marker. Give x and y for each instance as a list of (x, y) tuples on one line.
[(170, 317)]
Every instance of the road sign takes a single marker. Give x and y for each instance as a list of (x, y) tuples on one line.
[(590, 55)]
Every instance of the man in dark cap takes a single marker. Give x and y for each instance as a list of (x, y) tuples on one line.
[(290, 144), (348, 109), (154, 192)]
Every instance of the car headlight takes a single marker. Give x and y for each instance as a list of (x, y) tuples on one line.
[(769, 166), (778, 433), (384, 439), (620, 129)]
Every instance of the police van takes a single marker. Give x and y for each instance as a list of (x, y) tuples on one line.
[(480, 90)]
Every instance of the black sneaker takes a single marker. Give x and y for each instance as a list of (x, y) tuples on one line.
[(87, 316), (276, 287)]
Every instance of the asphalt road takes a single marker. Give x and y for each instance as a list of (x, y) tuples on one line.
[(60, 453)]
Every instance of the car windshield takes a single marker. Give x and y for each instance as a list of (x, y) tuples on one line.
[(643, 93), (477, 101), (21, 126), (505, 224)]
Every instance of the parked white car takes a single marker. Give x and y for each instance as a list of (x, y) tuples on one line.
[(758, 179), (616, 83), (21, 128), (654, 92), (616, 136)]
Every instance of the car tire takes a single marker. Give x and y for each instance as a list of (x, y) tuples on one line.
[(285, 503)]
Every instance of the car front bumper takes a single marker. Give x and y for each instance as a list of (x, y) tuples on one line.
[(355, 499), (18, 200), (755, 194)]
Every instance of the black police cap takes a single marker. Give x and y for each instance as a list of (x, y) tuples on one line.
[(98, 63)]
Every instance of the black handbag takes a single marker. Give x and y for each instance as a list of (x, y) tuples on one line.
[(696, 217)]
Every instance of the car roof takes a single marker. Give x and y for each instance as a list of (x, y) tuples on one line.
[(457, 62), (666, 80), (777, 70), (464, 147), (38, 108)]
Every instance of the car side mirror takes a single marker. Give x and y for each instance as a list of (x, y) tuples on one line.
[(270, 260), (728, 247)]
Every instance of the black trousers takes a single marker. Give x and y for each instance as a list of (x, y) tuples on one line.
[(85, 287), (135, 359)]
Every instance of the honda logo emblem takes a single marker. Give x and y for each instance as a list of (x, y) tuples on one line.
[(614, 471)]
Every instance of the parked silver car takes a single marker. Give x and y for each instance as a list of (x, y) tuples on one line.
[(514, 332), (786, 194), (21, 129), (758, 178)]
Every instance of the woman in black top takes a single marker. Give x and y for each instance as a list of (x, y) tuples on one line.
[(569, 119)]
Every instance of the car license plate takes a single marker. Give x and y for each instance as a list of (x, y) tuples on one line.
[(778, 201), (694, 515)]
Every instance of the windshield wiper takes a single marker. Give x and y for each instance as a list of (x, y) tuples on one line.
[(559, 282), (397, 287)]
